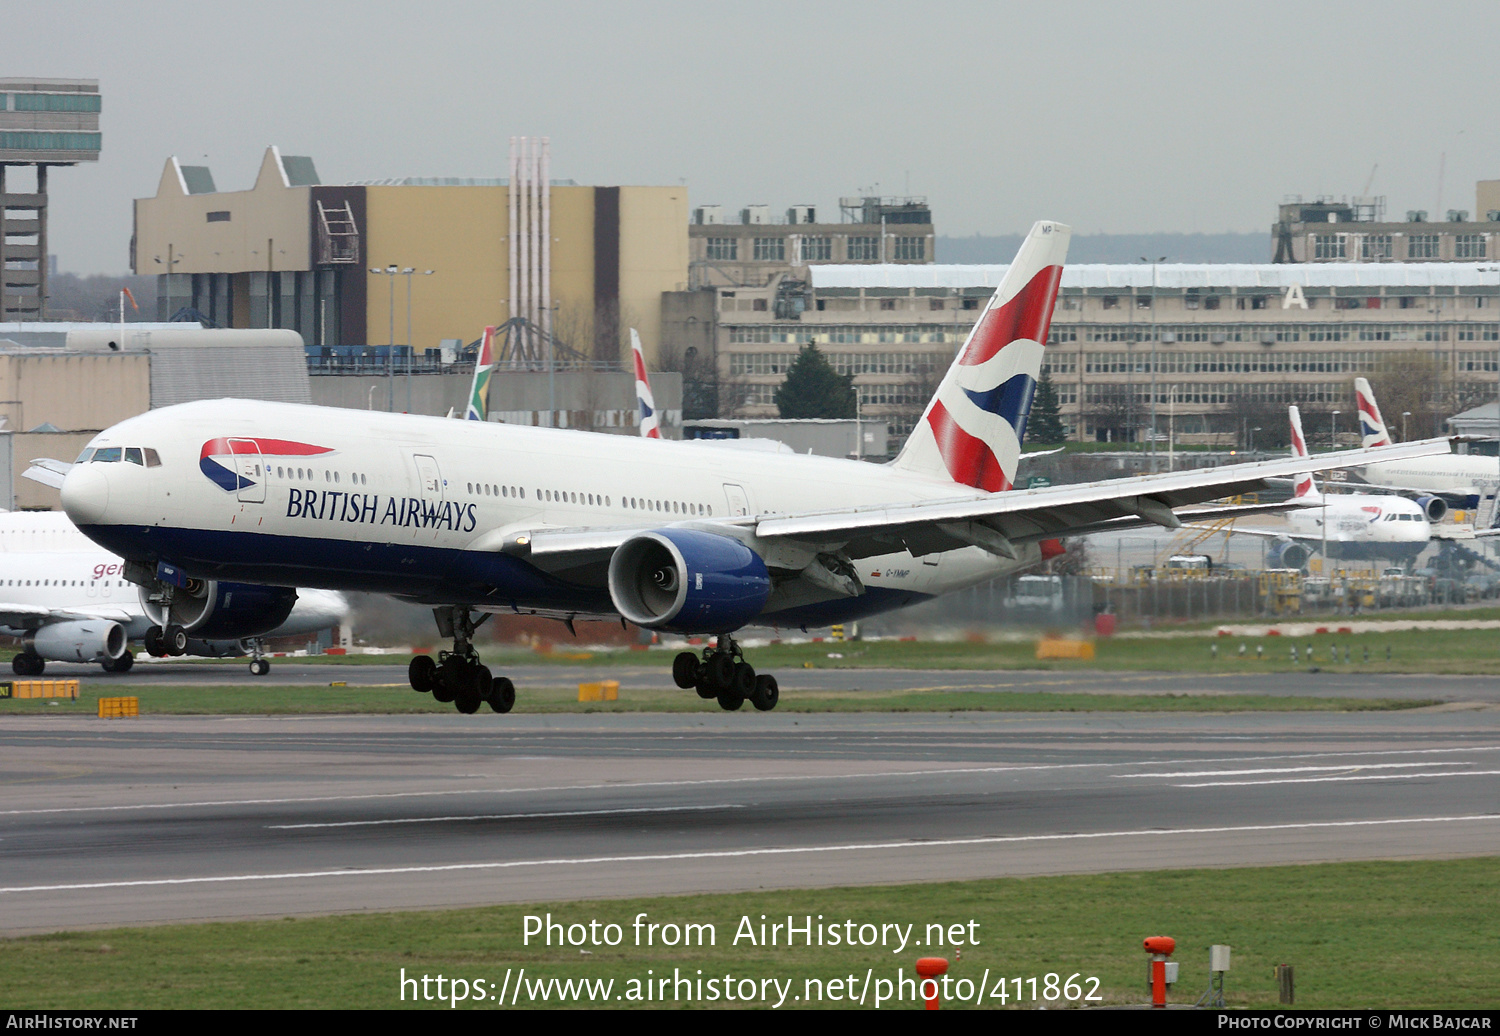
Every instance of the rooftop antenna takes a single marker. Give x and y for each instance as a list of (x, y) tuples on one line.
[(1442, 167), (1371, 181)]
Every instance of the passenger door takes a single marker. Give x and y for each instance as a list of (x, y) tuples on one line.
[(250, 466)]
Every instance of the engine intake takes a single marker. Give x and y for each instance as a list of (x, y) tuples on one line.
[(88, 640), (224, 611), (688, 581), (1435, 507)]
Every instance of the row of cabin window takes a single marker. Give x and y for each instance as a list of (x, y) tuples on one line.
[(63, 582), (307, 474), (630, 502)]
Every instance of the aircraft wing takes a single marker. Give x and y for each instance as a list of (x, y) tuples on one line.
[(996, 522), (1001, 520), (32, 617), (47, 471)]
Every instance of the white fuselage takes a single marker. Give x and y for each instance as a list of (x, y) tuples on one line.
[(1463, 478), (420, 507), (1360, 525)]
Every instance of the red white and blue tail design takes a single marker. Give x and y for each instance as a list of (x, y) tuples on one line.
[(1371, 424), (478, 408), (650, 426), (972, 429), (1304, 486)]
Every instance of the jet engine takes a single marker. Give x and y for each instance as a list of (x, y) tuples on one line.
[(87, 640), (211, 610), (1435, 507), (687, 581), (1289, 555)]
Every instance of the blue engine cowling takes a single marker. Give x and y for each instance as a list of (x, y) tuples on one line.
[(687, 581), (225, 611), (1288, 555), (1434, 507)]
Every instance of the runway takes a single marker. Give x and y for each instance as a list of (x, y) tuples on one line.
[(164, 819)]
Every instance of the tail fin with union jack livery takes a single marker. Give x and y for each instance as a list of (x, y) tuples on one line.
[(972, 429)]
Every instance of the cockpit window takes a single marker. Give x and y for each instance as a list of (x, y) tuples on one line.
[(108, 455), (83, 458), (133, 455), (152, 459)]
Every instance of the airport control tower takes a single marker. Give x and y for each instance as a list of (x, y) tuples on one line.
[(43, 123)]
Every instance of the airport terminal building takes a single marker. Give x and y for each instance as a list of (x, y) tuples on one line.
[(1230, 345)]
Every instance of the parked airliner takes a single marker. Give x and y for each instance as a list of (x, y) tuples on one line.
[(1353, 526), (69, 601), (1437, 483), (478, 518)]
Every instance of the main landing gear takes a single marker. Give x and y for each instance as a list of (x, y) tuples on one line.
[(161, 642), (457, 676), (258, 664), (723, 673)]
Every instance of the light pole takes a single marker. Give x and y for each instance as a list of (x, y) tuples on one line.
[(1404, 415), (1333, 431), (407, 273), (390, 361), (1154, 336)]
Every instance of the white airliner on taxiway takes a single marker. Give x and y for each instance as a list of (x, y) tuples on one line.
[(477, 518), (69, 601), (1352, 526), (1436, 483)]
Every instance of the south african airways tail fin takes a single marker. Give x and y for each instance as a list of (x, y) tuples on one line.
[(479, 393), (972, 429)]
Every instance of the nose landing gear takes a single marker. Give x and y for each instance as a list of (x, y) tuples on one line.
[(723, 674), (458, 676)]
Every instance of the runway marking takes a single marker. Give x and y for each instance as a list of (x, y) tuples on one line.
[(1356, 777), (509, 816), (1285, 769), (632, 785), (742, 853)]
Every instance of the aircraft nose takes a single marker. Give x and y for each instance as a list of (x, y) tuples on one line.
[(85, 494)]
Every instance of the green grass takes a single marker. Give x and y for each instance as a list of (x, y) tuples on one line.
[(1360, 935), (322, 700)]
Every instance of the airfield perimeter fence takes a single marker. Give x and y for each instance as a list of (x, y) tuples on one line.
[(1144, 598)]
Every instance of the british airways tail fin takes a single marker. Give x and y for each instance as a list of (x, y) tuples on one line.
[(1371, 424), (971, 430), (1304, 486), (650, 426), (479, 394)]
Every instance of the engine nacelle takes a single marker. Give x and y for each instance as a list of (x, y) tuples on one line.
[(1435, 507), (87, 640), (1290, 555), (687, 581), (224, 611)]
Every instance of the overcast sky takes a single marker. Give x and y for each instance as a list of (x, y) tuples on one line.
[(1118, 117)]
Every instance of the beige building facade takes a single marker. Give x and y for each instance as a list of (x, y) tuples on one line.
[(347, 265)]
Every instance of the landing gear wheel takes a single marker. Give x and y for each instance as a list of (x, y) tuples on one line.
[(444, 684), (767, 693), (28, 664), (470, 684), (422, 674), (154, 646), (705, 689), (484, 682), (743, 680), (174, 639), (730, 700), (502, 694), (685, 670), (118, 665), (720, 671), (259, 667)]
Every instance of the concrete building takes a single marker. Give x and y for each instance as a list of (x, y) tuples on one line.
[(758, 247), (1325, 230), (348, 264), (43, 123), (1230, 345)]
